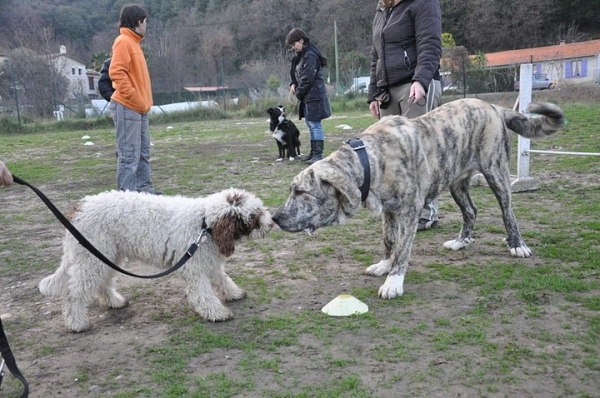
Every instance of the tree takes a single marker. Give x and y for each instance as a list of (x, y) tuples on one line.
[(448, 40), (353, 64), (31, 72), (32, 79)]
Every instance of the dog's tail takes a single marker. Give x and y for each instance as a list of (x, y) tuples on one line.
[(550, 120), (53, 285)]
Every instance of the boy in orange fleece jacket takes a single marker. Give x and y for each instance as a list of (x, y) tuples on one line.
[(131, 101)]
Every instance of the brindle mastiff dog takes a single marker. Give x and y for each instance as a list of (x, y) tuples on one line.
[(412, 161)]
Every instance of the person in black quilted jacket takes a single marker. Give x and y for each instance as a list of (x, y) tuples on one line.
[(105, 84), (405, 63)]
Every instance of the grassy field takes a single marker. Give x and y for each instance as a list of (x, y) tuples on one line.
[(473, 323)]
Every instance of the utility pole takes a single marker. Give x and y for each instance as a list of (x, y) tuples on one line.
[(337, 64), (222, 83), (17, 102)]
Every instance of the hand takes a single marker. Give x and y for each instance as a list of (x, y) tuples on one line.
[(417, 91), (293, 89), (5, 177), (374, 108)]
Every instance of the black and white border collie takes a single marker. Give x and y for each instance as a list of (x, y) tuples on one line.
[(285, 132)]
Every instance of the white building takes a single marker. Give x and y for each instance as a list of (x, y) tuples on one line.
[(565, 64), (75, 72)]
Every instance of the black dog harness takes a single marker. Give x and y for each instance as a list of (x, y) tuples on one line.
[(359, 147)]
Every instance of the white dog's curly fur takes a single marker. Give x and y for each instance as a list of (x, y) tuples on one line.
[(155, 230)]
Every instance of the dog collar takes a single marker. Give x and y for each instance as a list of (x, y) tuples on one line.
[(359, 147)]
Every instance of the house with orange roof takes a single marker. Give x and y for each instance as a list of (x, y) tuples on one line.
[(572, 64)]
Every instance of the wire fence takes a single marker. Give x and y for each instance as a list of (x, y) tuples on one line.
[(546, 76), (472, 81)]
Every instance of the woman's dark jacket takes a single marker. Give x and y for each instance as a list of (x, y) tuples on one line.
[(105, 84), (306, 73), (407, 44)]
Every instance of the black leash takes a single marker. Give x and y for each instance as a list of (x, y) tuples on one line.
[(85, 243), (10, 362), (410, 101)]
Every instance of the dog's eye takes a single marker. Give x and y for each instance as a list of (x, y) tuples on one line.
[(300, 192)]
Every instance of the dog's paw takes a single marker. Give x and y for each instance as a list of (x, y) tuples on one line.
[(279, 160), (393, 287), (217, 312), (120, 304), (521, 251), (79, 327), (237, 295), (291, 159), (221, 316), (457, 244), (379, 269), (112, 300)]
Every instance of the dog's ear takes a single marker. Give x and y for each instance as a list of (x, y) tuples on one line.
[(270, 111), (347, 190), (223, 232)]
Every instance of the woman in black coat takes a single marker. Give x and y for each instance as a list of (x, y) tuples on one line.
[(309, 87)]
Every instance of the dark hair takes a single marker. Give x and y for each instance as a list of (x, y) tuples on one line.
[(131, 16), (295, 35)]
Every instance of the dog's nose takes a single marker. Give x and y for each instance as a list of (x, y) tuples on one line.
[(276, 218)]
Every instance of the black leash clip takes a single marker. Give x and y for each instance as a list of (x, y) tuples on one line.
[(355, 143), (205, 230), (200, 239)]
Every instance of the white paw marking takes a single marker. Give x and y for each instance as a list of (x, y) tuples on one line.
[(457, 244), (521, 251), (279, 159), (379, 269), (393, 287)]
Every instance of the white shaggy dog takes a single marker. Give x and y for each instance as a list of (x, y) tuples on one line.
[(155, 230)]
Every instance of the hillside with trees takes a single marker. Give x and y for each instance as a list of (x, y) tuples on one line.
[(241, 43)]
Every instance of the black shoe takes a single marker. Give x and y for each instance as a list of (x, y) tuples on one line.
[(314, 159), (426, 224), (311, 154), (318, 154)]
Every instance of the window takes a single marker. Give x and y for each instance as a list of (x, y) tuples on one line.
[(576, 68), (73, 71), (79, 71), (91, 83)]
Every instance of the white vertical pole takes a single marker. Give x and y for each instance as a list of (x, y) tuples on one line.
[(524, 101), (523, 181)]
